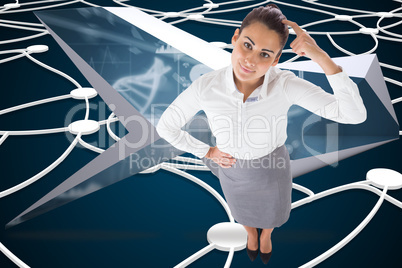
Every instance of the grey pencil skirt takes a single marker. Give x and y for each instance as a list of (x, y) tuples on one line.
[(258, 191)]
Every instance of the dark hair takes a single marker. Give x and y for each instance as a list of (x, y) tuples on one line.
[(271, 16)]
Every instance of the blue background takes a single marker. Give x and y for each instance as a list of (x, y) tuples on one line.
[(158, 220)]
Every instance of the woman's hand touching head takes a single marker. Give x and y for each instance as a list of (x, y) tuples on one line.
[(304, 44)]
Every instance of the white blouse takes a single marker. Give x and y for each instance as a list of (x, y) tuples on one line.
[(253, 129)]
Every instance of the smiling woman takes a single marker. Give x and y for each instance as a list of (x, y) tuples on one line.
[(253, 54), (251, 133), (257, 45)]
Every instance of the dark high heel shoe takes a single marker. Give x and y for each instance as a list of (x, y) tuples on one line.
[(264, 256), (252, 254)]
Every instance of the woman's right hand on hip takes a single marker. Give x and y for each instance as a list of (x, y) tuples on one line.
[(223, 159)]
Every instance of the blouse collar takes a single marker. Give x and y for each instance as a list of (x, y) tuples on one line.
[(231, 88)]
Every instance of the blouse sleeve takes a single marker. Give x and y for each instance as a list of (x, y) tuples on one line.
[(344, 106), (179, 112)]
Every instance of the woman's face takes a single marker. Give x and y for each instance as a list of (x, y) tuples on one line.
[(254, 52)]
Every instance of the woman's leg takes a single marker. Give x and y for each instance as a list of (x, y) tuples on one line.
[(265, 240), (252, 241)]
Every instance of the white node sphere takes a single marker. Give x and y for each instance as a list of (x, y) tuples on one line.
[(81, 93), (380, 177), (86, 127), (226, 235), (368, 30), (12, 5), (37, 48)]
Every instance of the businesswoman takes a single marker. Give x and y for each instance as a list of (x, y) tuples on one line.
[(246, 105)]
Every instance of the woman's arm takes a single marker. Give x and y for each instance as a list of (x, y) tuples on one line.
[(344, 106), (182, 109), (179, 112)]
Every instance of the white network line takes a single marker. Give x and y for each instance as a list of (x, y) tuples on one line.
[(336, 7), (4, 137), (34, 103), (21, 55), (21, 27), (140, 8), (88, 3), (350, 236), (21, 23), (37, 8), (55, 163), (114, 136), (174, 167), (382, 29), (12, 257), (52, 69), (42, 173), (23, 38)]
